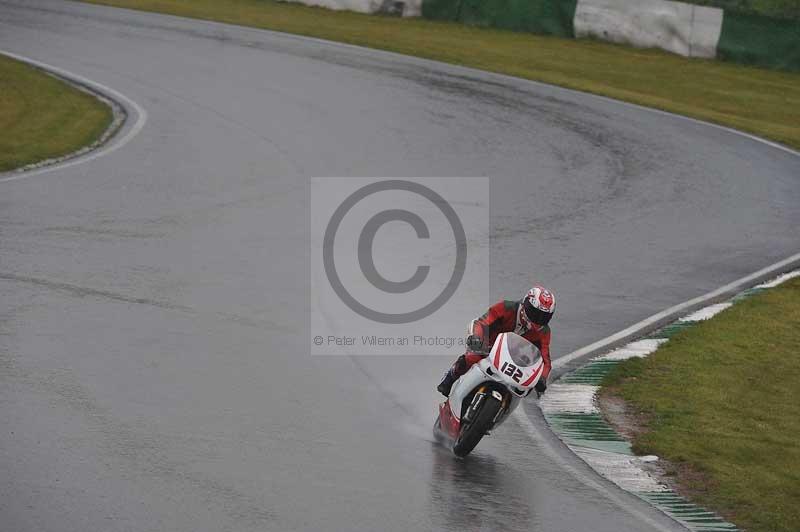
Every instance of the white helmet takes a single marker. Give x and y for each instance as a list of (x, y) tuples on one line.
[(538, 305)]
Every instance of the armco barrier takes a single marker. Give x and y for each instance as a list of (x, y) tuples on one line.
[(761, 41)]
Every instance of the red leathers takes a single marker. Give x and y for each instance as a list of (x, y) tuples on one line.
[(505, 316)]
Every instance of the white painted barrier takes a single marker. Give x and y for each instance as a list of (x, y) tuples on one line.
[(406, 8), (360, 6), (413, 8), (684, 29)]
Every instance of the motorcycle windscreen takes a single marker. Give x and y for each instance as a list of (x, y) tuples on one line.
[(522, 352)]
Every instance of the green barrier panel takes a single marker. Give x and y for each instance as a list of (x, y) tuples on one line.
[(441, 9), (549, 17), (786, 9), (761, 41)]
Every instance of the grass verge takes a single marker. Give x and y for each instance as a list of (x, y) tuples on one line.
[(760, 101), (42, 117), (720, 402)]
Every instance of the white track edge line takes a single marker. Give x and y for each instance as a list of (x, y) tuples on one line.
[(587, 480), (554, 456), (636, 327), (455, 66), (111, 145), (522, 418), (492, 73)]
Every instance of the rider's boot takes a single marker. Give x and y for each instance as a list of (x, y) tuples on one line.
[(447, 383), (458, 368)]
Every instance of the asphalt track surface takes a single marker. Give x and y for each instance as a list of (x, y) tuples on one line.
[(154, 367)]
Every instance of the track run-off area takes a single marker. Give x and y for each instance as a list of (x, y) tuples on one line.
[(154, 366)]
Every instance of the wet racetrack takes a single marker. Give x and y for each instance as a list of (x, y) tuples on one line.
[(154, 366)]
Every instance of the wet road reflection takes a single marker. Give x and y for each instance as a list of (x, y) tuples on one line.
[(155, 371), (476, 493)]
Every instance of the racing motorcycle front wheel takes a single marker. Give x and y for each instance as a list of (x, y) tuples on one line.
[(479, 424)]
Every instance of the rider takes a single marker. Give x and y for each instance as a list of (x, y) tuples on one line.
[(527, 317)]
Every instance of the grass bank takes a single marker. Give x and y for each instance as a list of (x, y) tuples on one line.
[(43, 117), (763, 102), (720, 401)]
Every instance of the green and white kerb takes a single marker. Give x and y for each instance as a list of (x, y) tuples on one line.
[(570, 409)]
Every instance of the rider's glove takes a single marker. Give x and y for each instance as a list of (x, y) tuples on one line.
[(540, 388), (474, 342)]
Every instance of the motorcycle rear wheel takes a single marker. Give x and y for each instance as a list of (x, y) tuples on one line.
[(472, 433)]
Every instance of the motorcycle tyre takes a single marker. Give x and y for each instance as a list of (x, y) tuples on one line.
[(472, 433)]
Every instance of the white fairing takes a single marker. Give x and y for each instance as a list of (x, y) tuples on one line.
[(513, 361)]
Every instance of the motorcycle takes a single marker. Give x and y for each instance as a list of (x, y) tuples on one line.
[(484, 397)]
